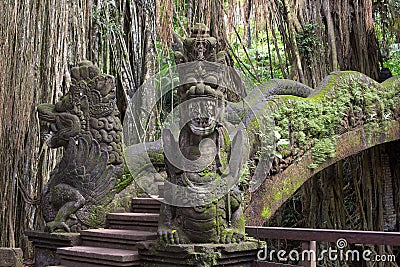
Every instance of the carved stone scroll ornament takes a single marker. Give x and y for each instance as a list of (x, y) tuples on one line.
[(85, 122)]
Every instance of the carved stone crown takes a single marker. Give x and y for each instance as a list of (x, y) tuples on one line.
[(200, 45)]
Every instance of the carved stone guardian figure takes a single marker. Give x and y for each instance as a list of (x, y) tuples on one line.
[(85, 122), (214, 214), (201, 221)]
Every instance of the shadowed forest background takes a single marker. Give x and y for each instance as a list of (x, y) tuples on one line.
[(302, 40)]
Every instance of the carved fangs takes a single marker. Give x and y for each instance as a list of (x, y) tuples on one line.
[(47, 137), (48, 130), (203, 130)]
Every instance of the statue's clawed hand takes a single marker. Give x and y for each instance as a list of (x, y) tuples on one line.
[(56, 226), (169, 236), (230, 235)]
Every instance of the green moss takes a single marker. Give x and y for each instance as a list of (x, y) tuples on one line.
[(97, 215), (156, 157), (277, 196), (279, 192), (322, 150), (124, 181), (266, 213), (241, 223), (345, 101), (208, 257)]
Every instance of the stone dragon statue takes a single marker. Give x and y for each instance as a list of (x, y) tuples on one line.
[(85, 123)]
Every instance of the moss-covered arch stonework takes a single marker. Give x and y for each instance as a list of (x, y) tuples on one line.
[(275, 191), (364, 114)]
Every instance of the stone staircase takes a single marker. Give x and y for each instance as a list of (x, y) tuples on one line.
[(115, 245), (133, 221)]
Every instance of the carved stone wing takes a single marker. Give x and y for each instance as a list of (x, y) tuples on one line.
[(84, 166)]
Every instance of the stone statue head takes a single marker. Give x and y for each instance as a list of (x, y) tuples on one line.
[(87, 110), (202, 109)]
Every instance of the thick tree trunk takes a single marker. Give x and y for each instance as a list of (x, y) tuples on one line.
[(34, 55), (346, 42), (331, 36), (293, 43), (357, 47)]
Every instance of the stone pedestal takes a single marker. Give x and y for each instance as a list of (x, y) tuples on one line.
[(10, 257), (199, 255), (46, 245)]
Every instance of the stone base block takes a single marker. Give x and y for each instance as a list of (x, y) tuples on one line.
[(11, 257), (82, 256), (199, 255), (46, 245)]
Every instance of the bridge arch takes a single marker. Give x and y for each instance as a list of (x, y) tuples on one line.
[(277, 188)]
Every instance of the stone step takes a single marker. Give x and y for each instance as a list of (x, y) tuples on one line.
[(233, 255), (46, 245), (84, 256), (133, 221), (146, 205), (115, 238)]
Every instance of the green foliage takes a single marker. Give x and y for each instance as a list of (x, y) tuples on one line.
[(347, 101), (245, 174), (165, 82), (308, 41), (322, 150), (122, 182), (394, 63), (303, 123), (259, 56)]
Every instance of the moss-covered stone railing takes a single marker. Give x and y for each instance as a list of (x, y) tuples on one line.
[(347, 114)]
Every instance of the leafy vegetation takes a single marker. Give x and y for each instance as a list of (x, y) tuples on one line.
[(348, 100), (260, 61), (393, 63), (308, 41)]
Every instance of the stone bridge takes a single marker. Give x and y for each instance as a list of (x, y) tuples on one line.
[(369, 116)]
